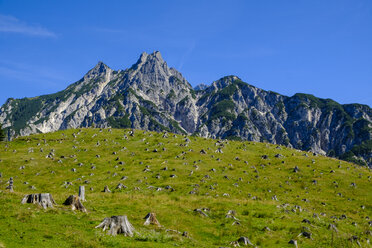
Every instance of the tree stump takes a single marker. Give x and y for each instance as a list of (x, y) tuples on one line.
[(293, 242), (10, 186), (117, 225), (82, 193), (150, 218), (44, 199), (75, 203), (106, 189), (244, 241)]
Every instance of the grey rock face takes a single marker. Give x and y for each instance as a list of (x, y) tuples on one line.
[(201, 87), (152, 96)]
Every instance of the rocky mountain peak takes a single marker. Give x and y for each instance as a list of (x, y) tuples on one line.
[(142, 59), (155, 81), (153, 59), (223, 82), (151, 73), (97, 71), (157, 55)]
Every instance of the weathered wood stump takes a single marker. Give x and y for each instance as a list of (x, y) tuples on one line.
[(244, 241), (44, 199), (82, 193), (106, 189), (10, 186), (117, 225), (293, 242), (150, 218), (75, 203)]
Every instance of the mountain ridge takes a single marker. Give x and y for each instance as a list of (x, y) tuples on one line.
[(151, 95)]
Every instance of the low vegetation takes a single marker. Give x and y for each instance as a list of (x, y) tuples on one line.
[(204, 192)]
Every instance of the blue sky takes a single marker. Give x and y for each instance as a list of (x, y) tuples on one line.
[(319, 47)]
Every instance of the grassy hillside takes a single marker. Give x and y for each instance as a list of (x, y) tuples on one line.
[(262, 190)]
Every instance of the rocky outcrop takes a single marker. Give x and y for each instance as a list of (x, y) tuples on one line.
[(150, 95)]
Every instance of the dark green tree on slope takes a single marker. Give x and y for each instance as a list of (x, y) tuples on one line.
[(2, 134)]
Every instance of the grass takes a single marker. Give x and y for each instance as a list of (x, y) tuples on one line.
[(248, 190)]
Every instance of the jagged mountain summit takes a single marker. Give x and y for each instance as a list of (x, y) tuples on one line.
[(152, 96)]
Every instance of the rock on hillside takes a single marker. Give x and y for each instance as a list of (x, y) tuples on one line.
[(152, 96)]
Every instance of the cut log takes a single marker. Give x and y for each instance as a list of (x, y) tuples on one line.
[(117, 225), (44, 199), (82, 193), (197, 210), (150, 218), (75, 203)]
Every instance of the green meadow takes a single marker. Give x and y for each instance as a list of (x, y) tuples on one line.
[(172, 175)]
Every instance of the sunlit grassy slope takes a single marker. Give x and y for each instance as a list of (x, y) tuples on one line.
[(238, 179)]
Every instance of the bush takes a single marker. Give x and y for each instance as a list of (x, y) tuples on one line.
[(331, 153)]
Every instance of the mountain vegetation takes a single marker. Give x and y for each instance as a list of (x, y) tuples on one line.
[(2, 134)]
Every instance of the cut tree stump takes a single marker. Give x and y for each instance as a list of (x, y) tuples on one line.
[(10, 186), (244, 241), (150, 218), (106, 189), (117, 225), (44, 199), (75, 203), (293, 242), (82, 193)]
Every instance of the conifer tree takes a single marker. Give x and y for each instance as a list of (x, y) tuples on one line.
[(2, 134)]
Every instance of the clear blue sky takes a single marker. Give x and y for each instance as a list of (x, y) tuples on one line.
[(315, 46)]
